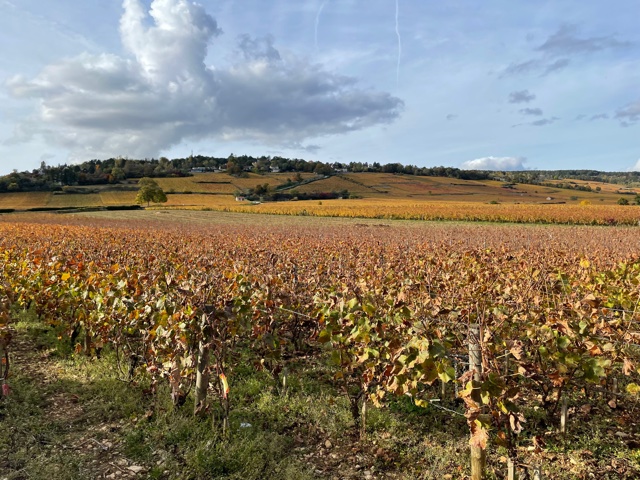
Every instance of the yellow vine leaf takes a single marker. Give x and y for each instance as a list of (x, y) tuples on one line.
[(225, 385)]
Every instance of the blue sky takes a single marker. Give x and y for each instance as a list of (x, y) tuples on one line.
[(495, 84)]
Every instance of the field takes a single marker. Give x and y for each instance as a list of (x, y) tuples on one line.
[(222, 183), (604, 187), (24, 201), (372, 195), (402, 209), (201, 344), (423, 328)]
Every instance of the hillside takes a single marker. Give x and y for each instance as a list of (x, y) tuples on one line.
[(216, 190)]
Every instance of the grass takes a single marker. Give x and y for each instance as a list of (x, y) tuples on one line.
[(71, 417), (58, 402)]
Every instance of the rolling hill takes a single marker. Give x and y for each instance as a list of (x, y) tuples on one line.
[(217, 190)]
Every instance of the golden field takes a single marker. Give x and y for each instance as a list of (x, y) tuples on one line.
[(377, 195), (403, 209)]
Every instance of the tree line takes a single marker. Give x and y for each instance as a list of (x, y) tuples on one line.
[(122, 170)]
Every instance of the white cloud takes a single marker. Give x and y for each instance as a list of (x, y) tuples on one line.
[(163, 93), (636, 167), (495, 163)]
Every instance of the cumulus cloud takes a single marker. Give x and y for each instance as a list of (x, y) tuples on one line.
[(162, 92), (255, 49), (521, 96), (599, 116), (636, 167), (495, 163)]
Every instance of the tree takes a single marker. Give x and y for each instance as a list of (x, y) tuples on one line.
[(623, 201), (150, 191), (117, 174), (262, 189)]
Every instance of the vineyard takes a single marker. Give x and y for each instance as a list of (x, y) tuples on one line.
[(359, 195), (519, 332), (403, 209)]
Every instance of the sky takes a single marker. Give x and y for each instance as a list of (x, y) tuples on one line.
[(497, 84)]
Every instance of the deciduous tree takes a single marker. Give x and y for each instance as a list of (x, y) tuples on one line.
[(150, 191)]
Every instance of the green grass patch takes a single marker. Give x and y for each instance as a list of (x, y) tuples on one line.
[(71, 416)]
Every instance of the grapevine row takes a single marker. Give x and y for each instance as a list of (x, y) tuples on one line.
[(393, 312)]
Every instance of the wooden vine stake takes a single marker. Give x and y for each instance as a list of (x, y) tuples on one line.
[(563, 417), (613, 402), (178, 397), (511, 470), (284, 382), (478, 454), (202, 378), (363, 418), (202, 365)]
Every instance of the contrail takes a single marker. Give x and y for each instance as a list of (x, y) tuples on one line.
[(399, 42), (318, 21)]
